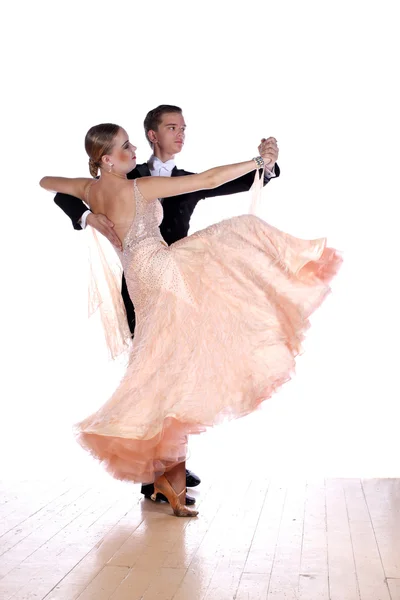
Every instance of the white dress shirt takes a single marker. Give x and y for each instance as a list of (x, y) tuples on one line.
[(158, 168)]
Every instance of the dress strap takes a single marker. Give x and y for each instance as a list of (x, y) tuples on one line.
[(138, 193), (140, 200), (135, 185), (87, 191)]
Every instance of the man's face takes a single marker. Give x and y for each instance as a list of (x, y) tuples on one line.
[(170, 135)]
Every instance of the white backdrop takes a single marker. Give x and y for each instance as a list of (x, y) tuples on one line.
[(319, 76)]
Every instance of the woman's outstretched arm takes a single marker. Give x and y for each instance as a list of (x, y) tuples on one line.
[(164, 187), (67, 185)]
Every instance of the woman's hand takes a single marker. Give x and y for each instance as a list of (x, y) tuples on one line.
[(269, 151)]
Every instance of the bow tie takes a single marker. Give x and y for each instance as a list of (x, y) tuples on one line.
[(161, 167)]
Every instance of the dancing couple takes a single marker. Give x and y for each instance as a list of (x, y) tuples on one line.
[(219, 315)]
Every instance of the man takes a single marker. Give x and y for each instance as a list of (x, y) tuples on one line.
[(165, 131)]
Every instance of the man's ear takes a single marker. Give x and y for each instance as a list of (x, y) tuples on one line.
[(152, 135)]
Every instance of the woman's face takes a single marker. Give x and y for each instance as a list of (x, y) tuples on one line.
[(123, 155)]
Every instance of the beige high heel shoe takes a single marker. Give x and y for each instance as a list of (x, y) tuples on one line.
[(163, 486)]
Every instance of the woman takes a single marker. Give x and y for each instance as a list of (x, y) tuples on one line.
[(220, 314)]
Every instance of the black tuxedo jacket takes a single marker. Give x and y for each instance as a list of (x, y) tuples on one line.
[(177, 212)]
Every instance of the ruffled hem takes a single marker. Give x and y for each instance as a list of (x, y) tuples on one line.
[(143, 460)]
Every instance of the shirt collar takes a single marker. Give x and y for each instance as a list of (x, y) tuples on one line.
[(155, 164)]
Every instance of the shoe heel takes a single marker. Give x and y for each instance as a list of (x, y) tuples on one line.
[(154, 495), (179, 510)]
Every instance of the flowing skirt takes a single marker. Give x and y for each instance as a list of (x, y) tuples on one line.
[(221, 316)]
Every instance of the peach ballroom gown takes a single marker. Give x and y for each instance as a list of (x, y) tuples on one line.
[(221, 316)]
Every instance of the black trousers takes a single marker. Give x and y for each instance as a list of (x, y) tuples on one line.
[(130, 309)]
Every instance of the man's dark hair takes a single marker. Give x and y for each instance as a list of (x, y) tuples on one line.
[(154, 117)]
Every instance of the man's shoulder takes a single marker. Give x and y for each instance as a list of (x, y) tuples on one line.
[(143, 170), (139, 171), (180, 172)]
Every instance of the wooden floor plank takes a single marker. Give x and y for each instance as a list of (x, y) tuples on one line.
[(370, 572), (237, 541), (105, 583), (135, 584), (394, 588), (313, 579), (284, 578), (164, 584), (220, 518), (261, 555), (343, 583), (383, 501)]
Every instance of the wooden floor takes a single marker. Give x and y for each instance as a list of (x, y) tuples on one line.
[(97, 539)]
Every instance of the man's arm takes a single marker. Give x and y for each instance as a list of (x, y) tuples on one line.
[(73, 207), (74, 187)]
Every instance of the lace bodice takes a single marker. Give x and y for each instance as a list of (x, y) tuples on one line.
[(148, 262), (145, 227), (147, 221)]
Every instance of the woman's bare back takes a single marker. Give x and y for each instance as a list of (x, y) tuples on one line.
[(115, 200)]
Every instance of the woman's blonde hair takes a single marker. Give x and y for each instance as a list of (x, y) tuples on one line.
[(99, 141)]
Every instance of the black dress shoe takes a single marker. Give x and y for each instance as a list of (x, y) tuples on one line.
[(161, 498), (191, 479)]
